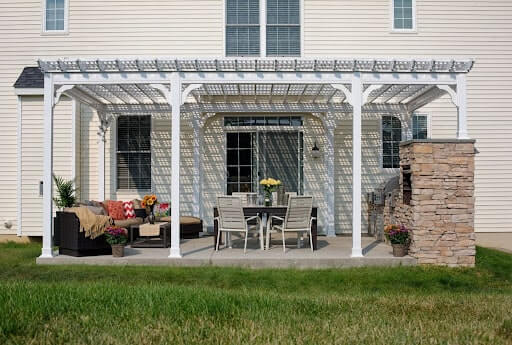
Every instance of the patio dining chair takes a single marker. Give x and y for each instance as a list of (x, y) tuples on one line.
[(298, 219), (244, 197), (231, 219)]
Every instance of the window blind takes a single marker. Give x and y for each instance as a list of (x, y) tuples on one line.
[(283, 27), (134, 152), (242, 28)]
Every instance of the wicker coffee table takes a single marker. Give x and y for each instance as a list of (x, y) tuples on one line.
[(162, 241)]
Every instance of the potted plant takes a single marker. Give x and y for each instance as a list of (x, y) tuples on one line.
[(150, 201), (65, 192), (399, 237), (269, 186), (117, 238)]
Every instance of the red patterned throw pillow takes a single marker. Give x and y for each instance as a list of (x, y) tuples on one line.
[(115, 210), (128, 209)]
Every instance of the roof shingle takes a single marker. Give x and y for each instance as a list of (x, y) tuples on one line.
[(31, 78)]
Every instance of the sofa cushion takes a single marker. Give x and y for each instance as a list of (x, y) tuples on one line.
[(185, 220), (126, 223), (136, 203), (99, 211), (116, 210), (104, 204), (128, 210)]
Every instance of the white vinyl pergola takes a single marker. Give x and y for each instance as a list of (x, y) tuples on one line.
[(151, 85)]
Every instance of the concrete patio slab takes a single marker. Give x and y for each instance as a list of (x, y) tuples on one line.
[(333, 252)]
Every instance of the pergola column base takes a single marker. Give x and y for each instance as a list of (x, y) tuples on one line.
[(357, 253), (47, 253), (175, 253)]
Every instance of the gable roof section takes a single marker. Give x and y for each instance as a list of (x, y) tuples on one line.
[(30, 78)]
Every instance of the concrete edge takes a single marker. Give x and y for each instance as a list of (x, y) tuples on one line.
[(309, 263)]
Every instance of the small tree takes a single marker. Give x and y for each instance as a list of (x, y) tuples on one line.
[(65, 192)]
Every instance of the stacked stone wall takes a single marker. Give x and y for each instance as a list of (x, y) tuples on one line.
[(442, 205)]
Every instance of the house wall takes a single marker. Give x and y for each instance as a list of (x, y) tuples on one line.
[(477, 29), (32, 156)]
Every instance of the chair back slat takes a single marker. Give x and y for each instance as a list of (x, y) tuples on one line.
[(231, 214), (298, 214)]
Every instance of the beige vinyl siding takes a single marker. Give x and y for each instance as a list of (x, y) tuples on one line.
[(32, 156), (445, 28)]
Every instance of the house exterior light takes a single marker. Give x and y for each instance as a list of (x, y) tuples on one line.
[(315, 151)]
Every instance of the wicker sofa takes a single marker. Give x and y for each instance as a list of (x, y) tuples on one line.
[(74, 243)]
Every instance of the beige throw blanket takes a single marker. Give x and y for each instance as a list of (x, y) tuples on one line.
[(93, 225), (150, 229)]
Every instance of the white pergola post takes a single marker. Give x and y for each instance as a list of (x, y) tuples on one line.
[(47, 250), (357, 96), (175, 102), (330, 183), (462, 120), (198, 164), (101, 156)]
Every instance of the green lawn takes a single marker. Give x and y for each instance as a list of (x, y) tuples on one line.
[(156, 305)]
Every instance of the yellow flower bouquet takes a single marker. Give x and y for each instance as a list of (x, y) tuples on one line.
[(150, 202), (269, 185)]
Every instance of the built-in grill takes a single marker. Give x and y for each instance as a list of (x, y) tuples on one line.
[(376, 201)]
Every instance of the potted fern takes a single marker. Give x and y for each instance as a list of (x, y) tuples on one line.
[(65, 192)]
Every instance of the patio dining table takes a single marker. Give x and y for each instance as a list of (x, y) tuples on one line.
[(269, 211)]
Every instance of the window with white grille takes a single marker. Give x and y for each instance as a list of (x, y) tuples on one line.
[(55, 16), (283, 28), (134, 152), (420, 127), (242, 28), (403, 13), (391, 138)]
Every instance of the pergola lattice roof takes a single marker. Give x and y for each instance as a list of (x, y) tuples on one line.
[(103, 94)]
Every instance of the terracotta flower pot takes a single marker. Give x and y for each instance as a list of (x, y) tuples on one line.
[(118, 250), (399, 250)]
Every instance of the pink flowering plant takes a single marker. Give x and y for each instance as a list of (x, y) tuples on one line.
[(116, 235), (397, 234)]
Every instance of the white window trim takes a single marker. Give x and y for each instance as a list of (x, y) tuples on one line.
[(45, 32), (429, 124), (392, 20), (263, 28)]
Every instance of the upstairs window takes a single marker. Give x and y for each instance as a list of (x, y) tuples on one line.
[(55, 16), (391, 138), (403, 15), (134, 152), (420, 127), (283, 28), (242, 28)]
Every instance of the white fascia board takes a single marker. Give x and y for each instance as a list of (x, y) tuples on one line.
[(29, 91)]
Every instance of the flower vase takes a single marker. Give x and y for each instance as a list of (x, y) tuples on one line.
[(151, 217), (117, 250)]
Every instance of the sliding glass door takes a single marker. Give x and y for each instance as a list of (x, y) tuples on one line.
[(252, 156)]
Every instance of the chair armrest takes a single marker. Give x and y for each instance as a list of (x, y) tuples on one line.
[(252, 218), (278, 218)]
